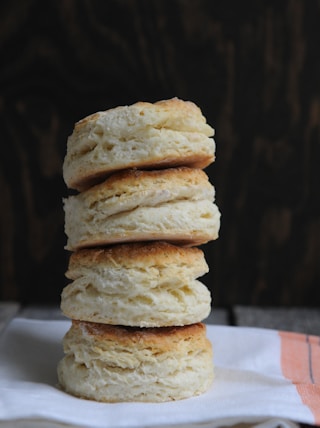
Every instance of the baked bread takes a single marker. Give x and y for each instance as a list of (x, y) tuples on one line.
[(144, 135), (115, 363), (174, 205), (141, 284)]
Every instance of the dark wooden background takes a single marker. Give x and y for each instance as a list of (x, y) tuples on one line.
[(254, 69)]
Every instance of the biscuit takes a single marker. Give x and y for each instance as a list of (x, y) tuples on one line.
[(174, 205), (144, 135), (114, 363), (142, 285)]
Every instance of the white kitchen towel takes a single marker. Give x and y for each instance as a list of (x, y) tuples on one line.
[(263, 378)]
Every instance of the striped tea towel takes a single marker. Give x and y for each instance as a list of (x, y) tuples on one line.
[(263, 378)]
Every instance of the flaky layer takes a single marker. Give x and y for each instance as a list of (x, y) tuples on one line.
[(145, 285), (174, 205), (143, 135), (106, 363)]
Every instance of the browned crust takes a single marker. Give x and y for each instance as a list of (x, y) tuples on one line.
[(81, 182), (174, 104), (138, 178), (159, 336), (183, 239), (148, 253)]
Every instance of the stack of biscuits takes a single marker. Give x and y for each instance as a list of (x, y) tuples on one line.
[(143, 206)]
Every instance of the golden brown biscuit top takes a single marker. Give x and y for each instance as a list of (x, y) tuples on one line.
[(136, 180), (171, 109), (149, 253), (159, 337)]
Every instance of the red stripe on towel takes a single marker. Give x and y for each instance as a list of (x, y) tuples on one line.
[(300, 362)]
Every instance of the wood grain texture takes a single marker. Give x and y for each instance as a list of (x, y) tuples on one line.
[(253, 68)]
